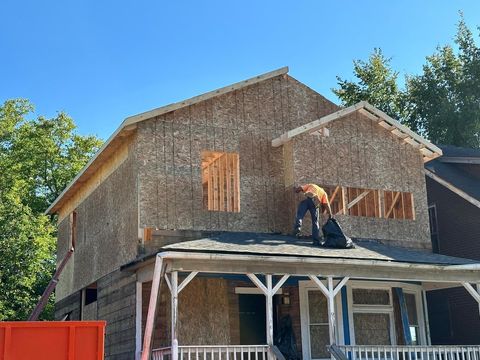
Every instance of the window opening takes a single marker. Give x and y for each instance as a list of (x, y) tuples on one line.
[(90, 294), (398, 205), (221, 181)]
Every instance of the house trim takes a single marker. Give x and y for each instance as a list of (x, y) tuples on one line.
[(453, 188), (427, 149)]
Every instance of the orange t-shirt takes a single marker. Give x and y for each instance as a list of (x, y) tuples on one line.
[(316, 192)]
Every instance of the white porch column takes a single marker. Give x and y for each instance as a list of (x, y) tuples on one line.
[(174, 308), (268, 291), (269, 304)]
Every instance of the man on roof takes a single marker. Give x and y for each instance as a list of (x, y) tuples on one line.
[(316, 198)]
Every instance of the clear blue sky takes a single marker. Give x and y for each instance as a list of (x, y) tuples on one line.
[(103, 60)]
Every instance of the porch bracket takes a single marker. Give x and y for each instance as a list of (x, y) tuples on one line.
[(472, 291), (167, 280), (280, 283), (187, 280), (258, 283)]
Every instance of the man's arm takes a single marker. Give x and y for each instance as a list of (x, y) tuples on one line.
[(326, 207)]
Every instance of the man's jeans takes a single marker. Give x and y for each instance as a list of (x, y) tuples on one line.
[(303, 207)]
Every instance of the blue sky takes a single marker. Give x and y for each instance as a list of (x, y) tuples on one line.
[(101, 61)]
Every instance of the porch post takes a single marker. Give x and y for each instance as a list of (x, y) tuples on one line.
[(478, 291), (174, 308), (331, 311), (269, 303), (152, 307)]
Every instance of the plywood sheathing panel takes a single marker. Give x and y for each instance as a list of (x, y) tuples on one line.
[(107, 219), (360, 154), (244, 122), (203, 313)]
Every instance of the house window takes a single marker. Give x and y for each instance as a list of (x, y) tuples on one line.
[(413, 323), (398, 205), (318, 324), (432, 215), (372, 313), (221, 181), (90, 294), (73, 228)]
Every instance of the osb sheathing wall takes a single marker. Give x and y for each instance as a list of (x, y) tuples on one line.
[(244, 121), (360, 153), (203, 315), (107, 230)]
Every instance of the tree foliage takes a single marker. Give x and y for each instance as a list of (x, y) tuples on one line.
[(38, 157), (377, 84), (442, 103)]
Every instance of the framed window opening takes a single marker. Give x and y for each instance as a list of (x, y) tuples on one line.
[(374, 203), (221, 181)]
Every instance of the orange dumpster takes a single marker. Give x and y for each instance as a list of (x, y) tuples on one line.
[(52, 340)]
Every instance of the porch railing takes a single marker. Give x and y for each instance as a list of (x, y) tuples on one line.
[(394, 352), (214, 352)]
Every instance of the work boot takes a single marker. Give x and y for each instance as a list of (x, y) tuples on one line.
[(296, 233)]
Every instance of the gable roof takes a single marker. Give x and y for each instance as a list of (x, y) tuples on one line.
[(129, 124), (428, 150), (447, 171)]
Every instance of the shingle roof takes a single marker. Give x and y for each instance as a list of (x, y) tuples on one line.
[(455, 151), (281, 245)]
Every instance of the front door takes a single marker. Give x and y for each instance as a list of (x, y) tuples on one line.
[(252, 308)]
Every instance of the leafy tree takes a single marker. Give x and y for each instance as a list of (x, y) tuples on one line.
[(376, 83), (38, 158), (444, 101)]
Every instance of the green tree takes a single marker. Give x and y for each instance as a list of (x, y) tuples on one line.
[(376, 82), (444, 101), (38, 158)]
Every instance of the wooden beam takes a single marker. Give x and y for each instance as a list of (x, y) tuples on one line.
[(392, 205), (152, 308), (174, 311), (358, 198), (471, 290), (280, 283), (257, 283), (187, 280), (453, 188)]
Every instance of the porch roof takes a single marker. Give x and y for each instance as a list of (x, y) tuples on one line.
[(281, 245)]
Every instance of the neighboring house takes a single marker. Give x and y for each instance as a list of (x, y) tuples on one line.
[(192, 199), (453, 189)]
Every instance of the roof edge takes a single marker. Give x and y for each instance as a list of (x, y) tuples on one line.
[(453, 188), (208, 95), (428, 150)]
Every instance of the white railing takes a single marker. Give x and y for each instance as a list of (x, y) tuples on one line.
[(393, 352), (214, 352)]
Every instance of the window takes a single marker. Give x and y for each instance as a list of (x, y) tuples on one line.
[(318, 324), (90, 294), (221, 181), (372, 313), (398, 205), (413, 323), (73, 229), (432, 215)]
